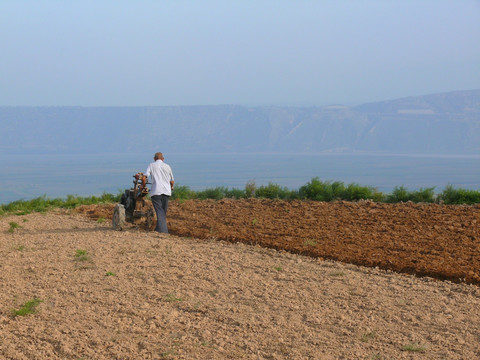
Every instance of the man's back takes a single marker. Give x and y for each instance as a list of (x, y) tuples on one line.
[(162, 176)]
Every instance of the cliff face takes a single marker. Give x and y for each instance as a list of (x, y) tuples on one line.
[(447, 123)]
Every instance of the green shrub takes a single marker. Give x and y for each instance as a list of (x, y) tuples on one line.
[(328, 191), (316, 190), (424, 195), (402, 194), (450, 195), (399, 193), (250, 188), (354, 192), (274, 191), (235, 194), (212, 193), (183, 193), (321, 191)]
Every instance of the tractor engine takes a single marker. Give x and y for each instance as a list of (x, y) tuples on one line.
[(133, 205)]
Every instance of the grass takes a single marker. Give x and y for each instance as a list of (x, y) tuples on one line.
[(368, 336), (168, 250), (13, 226), (101, 220), (109, 273), (213, 292), (167, 354), (30, 307), (337, 273), (81, 255), (172, 298), (311, 243), (414, 348), (42, 203)]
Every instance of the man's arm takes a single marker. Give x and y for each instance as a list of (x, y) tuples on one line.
[(145, 176), (171, 177)]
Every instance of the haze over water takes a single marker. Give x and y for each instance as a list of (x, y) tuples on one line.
[(27, 177)]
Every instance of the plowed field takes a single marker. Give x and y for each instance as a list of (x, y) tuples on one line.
[(104, 294), (440, 241)]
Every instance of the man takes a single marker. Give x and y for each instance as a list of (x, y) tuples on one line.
[(162, 185)]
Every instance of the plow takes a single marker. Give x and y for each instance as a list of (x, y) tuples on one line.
[(134, 206)]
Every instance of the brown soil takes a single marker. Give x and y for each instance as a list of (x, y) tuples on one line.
[(141, 295), (424, 239)]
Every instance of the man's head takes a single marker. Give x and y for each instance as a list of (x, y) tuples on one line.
[(158, 156)]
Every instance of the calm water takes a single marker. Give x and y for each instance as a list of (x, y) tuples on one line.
[(27, 177)]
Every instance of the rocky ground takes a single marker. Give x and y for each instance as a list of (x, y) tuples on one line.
[(250, 279)]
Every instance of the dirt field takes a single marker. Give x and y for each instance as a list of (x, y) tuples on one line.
[(434, 240), (191, 295)]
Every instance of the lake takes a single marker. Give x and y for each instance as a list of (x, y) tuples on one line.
[(29, 176)]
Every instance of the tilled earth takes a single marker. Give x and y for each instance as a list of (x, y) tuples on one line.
[(424, 239), (132, 294)]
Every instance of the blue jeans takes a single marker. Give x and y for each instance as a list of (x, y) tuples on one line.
[(160, 204)]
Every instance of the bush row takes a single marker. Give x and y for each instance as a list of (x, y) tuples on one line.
[(314, 190), (336, 190)]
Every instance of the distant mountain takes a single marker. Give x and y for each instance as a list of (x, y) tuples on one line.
[(447, 123)]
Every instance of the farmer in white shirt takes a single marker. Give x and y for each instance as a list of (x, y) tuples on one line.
[(162, 180)]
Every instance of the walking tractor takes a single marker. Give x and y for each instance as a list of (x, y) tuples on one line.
[(133, 205)]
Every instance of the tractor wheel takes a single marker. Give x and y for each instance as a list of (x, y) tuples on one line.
[(118, 218)]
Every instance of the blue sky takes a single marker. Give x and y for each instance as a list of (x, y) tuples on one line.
[(246, 52)]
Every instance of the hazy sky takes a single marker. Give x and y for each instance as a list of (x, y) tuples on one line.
[(247, 52)]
